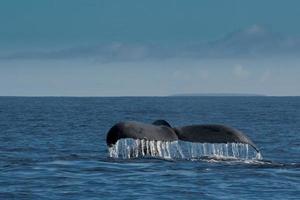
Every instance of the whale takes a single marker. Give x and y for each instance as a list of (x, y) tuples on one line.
[(161, 130)]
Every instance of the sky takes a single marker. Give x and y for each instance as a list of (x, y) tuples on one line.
[(149, 48)]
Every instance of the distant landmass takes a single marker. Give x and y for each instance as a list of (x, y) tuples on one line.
[(216, 95)]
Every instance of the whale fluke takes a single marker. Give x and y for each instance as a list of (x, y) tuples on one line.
[(161, 122), (161, 130), (212, 133), (138, 130)]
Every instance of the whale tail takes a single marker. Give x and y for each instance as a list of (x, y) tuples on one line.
[(161, 122), (212, 133), (161, 130), (138, 130)]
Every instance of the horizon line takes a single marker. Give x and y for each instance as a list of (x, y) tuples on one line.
[(128, 96)]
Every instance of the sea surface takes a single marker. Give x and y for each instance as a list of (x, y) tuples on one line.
[(54, 148)]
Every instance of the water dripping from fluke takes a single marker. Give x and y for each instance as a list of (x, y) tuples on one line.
[(181, 150)]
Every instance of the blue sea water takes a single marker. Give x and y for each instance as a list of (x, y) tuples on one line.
[(54, 148)]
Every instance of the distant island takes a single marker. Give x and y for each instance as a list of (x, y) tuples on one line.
[(216, 95)]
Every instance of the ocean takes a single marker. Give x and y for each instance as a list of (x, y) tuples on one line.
[(55, 148)]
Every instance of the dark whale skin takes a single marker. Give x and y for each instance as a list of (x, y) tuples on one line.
[(138, 130), (160, 130), (212, 133)]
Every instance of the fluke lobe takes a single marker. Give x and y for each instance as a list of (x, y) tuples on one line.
[(160, 130)]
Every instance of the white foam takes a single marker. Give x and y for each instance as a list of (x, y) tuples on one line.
[(130, 148)]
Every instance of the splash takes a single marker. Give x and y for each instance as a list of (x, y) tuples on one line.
[(130, 148)]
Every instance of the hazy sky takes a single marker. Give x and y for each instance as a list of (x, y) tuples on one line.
[(139, 47), (55, 22)]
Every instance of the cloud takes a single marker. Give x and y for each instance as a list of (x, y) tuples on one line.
[(265, 76), (104, 52), (203, 74), (256, 29), (253, 41), (240, 72)]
